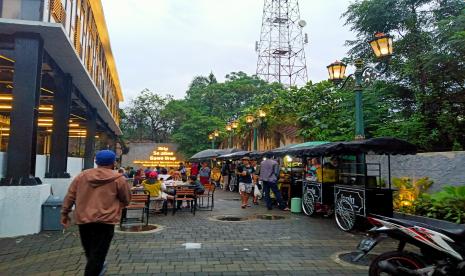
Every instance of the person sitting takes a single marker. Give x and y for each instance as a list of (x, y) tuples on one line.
[(199, 189), (330, 171), (156, 190), (164, 175)]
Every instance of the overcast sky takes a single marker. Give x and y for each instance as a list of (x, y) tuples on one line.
[(162, 44)]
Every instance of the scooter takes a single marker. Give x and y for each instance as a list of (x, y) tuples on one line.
[(441, 248)]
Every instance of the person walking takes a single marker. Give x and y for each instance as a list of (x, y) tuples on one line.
[(99, 195), (246, 174), (269, 174)]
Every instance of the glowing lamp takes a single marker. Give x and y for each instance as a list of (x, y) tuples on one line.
[(261, 113), (382, 45), (216, 133), (234, 124), (337, 71), (249, 119), (210, 136), (228, 127)]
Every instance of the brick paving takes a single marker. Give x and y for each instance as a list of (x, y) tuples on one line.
[(297, 245)]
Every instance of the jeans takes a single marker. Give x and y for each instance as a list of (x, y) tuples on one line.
[(274, 187), (96, 239)]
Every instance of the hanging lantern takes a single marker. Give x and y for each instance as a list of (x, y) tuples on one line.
[(234, 124), (249, 119), (216, 133), (382, 45), (337, 71), (261, 113), (228, 127), (210, 136)]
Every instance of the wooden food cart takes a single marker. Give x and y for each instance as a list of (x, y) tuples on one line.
[(352, 187)]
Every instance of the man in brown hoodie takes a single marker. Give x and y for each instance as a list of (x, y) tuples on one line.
[(99, 195)]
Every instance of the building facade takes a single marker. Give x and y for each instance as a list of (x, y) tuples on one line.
[(59, 86)]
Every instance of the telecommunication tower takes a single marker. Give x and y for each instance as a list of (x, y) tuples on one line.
[(281, 54)]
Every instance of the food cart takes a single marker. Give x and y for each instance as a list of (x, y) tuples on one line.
[(352, 188)]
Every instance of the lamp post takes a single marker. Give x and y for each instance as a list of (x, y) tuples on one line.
[(234, 126), (249, 119), (212, 138), (229, 129), (261, 117), (381, 45)]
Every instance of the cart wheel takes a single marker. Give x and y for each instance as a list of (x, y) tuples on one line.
[(308, 203), (345, 214)]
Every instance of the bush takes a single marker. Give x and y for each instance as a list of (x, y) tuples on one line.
[(447, 204), (408, 192)]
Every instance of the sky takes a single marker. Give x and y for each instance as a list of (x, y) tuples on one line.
[(163, 44)]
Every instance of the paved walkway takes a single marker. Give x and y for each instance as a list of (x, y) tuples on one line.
[(297, 245)]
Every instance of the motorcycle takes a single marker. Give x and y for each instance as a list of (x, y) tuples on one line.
[(441, 248)]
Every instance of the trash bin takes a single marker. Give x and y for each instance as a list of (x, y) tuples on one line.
[(51, 213), (296, 205)]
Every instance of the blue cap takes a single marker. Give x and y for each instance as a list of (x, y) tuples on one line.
[(105, 158)]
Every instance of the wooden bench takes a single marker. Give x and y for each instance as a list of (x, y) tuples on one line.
[(138, 202), (186, 195)]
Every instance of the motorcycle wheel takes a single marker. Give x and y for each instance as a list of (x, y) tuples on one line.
[(396, 258)]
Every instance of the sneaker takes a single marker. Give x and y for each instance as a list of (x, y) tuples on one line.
[(104, 269)]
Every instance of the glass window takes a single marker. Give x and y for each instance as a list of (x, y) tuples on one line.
[(11, 8)]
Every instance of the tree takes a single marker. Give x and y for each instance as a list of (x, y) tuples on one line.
[(427, 70), (144, 118)]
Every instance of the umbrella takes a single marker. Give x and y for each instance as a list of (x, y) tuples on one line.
[(234, 156), (211, 153)]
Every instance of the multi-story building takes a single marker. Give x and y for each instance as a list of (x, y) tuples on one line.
[(59, 87), (59, 97)]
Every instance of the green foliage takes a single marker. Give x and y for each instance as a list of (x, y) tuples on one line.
[(447, 204), (143, 119), (426, 75), (408, 192)]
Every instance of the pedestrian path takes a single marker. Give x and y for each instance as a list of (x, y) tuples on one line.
[(196, 245)]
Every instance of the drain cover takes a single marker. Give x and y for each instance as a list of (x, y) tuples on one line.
[(231, 218), (138, 228), (270, 217), (349, 258), (232, 199)]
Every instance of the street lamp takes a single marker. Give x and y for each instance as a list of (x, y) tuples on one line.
[(211, 137), (229, 129), (337, 71), (261, 113), (249, 119), (382, 47)]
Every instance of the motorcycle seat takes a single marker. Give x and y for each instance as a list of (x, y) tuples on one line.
[(452, 230)]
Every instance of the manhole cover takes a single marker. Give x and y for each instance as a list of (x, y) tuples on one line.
[(348, 257), (270, 217), (143, 229), (229, 218)]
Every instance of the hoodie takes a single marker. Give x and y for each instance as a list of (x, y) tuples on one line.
[(99, 195)]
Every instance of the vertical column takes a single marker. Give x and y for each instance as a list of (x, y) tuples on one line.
[(91, 129), (23, 121), (61, 110)]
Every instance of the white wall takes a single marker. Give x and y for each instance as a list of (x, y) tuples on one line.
[(75, 165), (21, 209)]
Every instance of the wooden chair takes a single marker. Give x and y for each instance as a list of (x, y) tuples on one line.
[(186, 195), (208, 194), (138, 202)]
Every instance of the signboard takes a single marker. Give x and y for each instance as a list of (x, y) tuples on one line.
[(354, 196), (162, 156)]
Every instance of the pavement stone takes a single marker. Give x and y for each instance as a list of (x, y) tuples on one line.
[(297, 245)]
